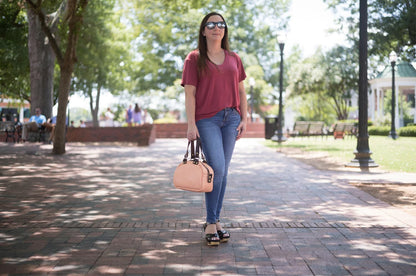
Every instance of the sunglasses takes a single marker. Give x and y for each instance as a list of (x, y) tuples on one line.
[(211, 25)]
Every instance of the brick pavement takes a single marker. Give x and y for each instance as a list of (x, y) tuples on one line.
[(105, 209)]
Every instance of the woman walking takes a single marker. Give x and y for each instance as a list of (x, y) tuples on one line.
[(216, 107)]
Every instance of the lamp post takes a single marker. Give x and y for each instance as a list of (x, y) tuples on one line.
[(362, 153), (393, 59), (252, 82), (281, 39)]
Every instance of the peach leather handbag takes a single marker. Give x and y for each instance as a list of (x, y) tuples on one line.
[(194, 174)]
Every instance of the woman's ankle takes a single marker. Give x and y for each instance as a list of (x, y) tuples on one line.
[(218, 225), (211, 228)]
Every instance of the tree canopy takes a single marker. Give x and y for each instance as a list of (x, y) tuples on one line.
[(391, 25), (14, 60)]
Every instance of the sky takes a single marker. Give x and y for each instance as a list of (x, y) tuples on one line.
[(308, 26)]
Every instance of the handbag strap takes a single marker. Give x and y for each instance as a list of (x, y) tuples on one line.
[(193, 154), (196, 151), (200, 152), (185, 157)]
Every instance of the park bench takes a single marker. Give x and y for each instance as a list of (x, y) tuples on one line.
[(344, 129), (307, 128)]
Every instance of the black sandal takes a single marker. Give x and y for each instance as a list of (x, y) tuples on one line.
[(223, 234), (212, 239)]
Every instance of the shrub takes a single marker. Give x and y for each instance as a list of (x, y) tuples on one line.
[(408, 131), (379, 130)]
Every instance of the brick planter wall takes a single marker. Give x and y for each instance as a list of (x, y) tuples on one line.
[(254, 130), (143, 135)]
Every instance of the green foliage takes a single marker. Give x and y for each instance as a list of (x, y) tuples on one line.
[(330, 77), (103, 53), (408, 131), (379, 130), (167, 118), (166, 34), (14, 60), (139, 46), (312, 107), (391, 25), (77, 114)]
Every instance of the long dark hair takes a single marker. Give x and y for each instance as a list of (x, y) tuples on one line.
[(202, 42)]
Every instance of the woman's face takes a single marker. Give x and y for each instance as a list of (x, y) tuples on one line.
[(217, 32)]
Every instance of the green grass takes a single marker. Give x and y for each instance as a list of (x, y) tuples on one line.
[(392, 155)]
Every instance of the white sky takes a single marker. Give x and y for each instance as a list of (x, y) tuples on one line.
[(309, 25), (308, 28)]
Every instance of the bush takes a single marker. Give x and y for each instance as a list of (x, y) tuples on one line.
[(379, 130), (408, 131)]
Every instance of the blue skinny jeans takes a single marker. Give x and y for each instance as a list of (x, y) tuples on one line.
[(218, 135)]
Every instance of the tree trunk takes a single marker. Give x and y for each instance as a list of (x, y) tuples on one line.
[(94, 110), (60, 128), (42, 63)]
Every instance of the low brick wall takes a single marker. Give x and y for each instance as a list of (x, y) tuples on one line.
[(254, 130), (142, 135)]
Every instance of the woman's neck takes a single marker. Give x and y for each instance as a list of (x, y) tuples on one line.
[(214, 48)]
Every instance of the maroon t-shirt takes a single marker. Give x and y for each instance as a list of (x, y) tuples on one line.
[(217, 87)]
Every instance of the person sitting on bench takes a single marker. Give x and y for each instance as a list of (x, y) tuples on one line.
[(34, 124)]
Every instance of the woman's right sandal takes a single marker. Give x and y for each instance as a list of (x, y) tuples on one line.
[(212, 239)]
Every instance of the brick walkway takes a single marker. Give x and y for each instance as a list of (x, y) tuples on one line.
[(102, 209)]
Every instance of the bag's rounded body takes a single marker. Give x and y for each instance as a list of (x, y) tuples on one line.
[(194, 176)]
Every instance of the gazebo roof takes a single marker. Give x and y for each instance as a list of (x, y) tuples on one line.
[(403, 70)]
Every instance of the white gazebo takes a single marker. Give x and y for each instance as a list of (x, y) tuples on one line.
[(405, 85)]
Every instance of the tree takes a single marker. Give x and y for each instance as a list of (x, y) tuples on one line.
[(330, 76), (103, 54), (42, 62), (391, 25), (70, 26), (167, 31)]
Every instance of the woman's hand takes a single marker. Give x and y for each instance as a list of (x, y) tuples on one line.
[(242, 127), (192, 133)]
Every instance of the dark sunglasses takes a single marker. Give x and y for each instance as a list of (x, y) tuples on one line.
[(211, 25)]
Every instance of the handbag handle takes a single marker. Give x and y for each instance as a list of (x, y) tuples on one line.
[(196, 152), (199, 151)]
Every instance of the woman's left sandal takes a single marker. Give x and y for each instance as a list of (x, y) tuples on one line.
[(224, 235)]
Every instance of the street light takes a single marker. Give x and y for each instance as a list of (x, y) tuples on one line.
[(393, 59), (252, 82), (362, 153), (281, 39)]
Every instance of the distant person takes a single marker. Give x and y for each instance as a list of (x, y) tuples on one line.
[(137, 115), (109, 118), (82, 123), (129, 116), (72, 124), (34, 124)]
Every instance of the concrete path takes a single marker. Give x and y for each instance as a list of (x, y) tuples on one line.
[(106, 209)]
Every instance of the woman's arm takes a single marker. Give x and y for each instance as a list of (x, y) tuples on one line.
[(190, 91), (242, 127)]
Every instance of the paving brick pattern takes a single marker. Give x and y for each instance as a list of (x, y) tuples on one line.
[(106, 209)]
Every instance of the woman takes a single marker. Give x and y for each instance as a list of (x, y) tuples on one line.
[(137, 115), (216, 107)]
